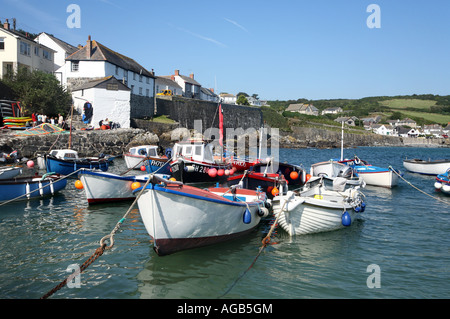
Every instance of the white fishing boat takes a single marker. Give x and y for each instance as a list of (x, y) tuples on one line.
[(317, 209), (9, 172), (427, 167), (102, 187), (333, 170), (180, 217), (148, 156)]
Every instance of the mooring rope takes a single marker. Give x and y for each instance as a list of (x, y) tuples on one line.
[(265, 242), (99, 251), (438, 199)]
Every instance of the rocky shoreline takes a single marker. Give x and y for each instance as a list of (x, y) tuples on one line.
[(116, 142)]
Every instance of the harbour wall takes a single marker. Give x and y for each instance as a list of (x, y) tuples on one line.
[(116, 142)]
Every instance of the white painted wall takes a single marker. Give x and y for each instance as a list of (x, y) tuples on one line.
[(114, 105)]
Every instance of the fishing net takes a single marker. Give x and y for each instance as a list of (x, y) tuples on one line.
[(44, 128)]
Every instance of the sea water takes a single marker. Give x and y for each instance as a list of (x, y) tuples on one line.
[(398, 248)]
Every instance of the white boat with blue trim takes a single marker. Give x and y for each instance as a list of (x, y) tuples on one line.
[(317, 209), (180, 217), (427, 167)]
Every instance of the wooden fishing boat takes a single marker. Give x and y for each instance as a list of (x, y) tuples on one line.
[(146, 155), (31, 187), (193, 162), (442, 183), (66, 161), (102, 187), (374, 175), (427, 167), (180, 217), (270, 183), (317, 209), (333, 171), (9, 172)]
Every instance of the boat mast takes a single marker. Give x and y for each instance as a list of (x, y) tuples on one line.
[(342, 141)]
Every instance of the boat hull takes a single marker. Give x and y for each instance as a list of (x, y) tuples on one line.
[(253, 181), (185, 217), (442, 183), (30, 187), (435, 167), (377, 176), (66, 167), (102, 187), (197, 172), (301, 215), (9, 172), (152, 164)]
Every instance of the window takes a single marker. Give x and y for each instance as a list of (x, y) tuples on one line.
[(47, 55), (75, 66), (148, 80), (2, 43), (140, 91), (134, 76), (117, 70), (147, 92), (140, 78), (25, 48), (132, 89), (36, 51)]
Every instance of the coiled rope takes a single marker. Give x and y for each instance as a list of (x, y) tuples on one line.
[(438, 199)]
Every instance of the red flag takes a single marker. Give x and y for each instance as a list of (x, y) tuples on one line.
[(221, 124)]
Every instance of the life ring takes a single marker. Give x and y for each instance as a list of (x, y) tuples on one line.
[(357, 160)]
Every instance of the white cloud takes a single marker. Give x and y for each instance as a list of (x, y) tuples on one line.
[(236, 24)]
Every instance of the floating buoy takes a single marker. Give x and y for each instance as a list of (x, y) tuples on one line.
[(135, 185), (293, 175), (269, 189), (212, 172), (227, 172), (438, 185), (247, 218), (78, 184), (346, 219), (308, 176), (143, 168), (173, 179), (263, 212), (275, 191), (363, 207), (220, 172), (446, 188), (30, 164)]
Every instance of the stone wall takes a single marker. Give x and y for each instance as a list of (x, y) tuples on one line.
[(185, 111), (141, 106)]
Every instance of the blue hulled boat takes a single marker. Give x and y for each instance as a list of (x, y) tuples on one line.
[(66, 161), (30, 187)]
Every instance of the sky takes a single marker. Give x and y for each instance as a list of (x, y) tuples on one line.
[(280, 50)]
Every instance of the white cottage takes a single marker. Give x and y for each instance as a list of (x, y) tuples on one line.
[(110, 100), (191, 88), (18, 50)]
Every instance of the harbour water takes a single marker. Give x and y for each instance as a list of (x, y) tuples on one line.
[(402, 232)]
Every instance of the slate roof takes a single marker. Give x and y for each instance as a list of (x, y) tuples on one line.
[(97, 82), (68, 48), (103, 53)]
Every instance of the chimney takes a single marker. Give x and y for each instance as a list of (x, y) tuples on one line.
[(6, 24), (172, 77), (89, 48), (177, 72), (191, 75), (212, 90)]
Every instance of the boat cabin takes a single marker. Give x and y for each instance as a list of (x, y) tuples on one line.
[(195, 150), (64, 154), (145, 150)]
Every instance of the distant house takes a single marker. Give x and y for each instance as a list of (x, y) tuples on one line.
[(227, 98), (301, 108), (347, 120), (189, 86), (369, 121), (110, 99), (407, 122), (208, 95), (406, 131), (433, 129), (253, 101), (382, 129), (18, 50), (62, 51), (164, 83), (332, 110)]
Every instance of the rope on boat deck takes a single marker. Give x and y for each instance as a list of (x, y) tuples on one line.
[(438, 199), (265, 242)]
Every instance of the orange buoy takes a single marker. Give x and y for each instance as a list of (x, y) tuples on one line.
[(173, 179), (143, 168), (308, 176), (78, 184), (293, 175), (135, 185), (275, 191)]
